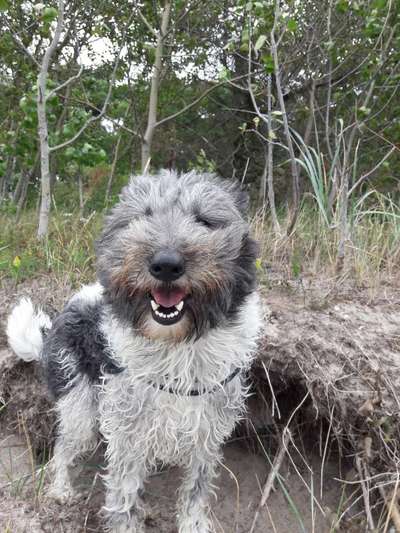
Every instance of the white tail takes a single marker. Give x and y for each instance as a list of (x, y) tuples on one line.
[(25, 330)]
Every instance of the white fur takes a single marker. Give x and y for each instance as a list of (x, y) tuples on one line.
[(144, 426), (24, 330), (77, 414), (88, 293)]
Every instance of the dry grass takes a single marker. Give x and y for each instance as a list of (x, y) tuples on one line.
[(372, 250), (68, 250)]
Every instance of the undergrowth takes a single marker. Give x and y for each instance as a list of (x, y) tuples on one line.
[(372, 249), (68, 249)]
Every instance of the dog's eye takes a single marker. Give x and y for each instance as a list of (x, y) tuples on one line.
[(206, 222), (148, 212)]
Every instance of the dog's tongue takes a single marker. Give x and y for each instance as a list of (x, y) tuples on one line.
[(168, 297)]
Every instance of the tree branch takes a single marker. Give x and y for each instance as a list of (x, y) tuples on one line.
[(102, 111), (19, 43), (65, 83), (199, 99), (367, 174)]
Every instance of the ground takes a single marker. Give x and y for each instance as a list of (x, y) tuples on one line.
[(311, 328)]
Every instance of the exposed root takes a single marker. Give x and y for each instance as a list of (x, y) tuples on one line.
[(271, 477)]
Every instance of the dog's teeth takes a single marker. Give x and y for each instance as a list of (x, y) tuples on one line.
[(154, 305), (179, 306)]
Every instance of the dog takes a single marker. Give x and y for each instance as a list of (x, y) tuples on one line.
[(153, 356)]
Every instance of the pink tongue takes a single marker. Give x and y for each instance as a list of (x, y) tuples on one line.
[(168, 298)]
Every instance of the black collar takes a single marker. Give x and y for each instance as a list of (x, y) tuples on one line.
[(199, 392)]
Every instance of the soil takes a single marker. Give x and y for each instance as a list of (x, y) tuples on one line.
[(314, 336)]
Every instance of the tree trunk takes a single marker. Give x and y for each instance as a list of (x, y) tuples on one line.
[(81, 198), (22, 196), (44, 212), (7, 177), (269, 163), (293, 164), (155, 85), (343, 222), (115, 159), (20, 186), (45, 203)]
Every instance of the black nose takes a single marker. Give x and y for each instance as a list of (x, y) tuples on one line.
[(167, 265)]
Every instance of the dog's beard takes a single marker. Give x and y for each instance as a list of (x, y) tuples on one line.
[(196, 311)]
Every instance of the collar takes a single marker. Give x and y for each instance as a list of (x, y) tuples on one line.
[(199, 392)]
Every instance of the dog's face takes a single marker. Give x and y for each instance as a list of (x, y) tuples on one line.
[(175, 256)]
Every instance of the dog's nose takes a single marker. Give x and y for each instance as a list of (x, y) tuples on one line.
[(167, 265)]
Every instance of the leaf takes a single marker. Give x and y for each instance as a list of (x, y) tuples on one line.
[(342, 6), (365, 110), (224, 74), (292, 25), (17, 262), (23, 103), (271, 135), (258, 264), (260, 42), (49, 14), (4, 5), (268, 62)]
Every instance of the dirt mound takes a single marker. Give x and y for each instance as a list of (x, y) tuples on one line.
[(328, 375), (343, 352)]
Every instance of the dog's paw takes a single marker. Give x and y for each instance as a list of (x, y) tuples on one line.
[(63, 495), (201, 524), (124, 524)]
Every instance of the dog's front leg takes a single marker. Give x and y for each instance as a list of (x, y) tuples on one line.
[(123, 508), (193, 504)]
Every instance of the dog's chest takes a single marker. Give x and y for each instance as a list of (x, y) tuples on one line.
[(161, 426)]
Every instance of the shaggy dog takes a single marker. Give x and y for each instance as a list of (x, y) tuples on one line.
[(153, 357)]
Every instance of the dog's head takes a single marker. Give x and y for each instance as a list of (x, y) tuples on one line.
[(175, 256)]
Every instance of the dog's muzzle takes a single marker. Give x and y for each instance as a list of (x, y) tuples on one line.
[(167, 301), (167, 305)]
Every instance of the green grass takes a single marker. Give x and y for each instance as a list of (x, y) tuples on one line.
[(372, 251), (68, 249)]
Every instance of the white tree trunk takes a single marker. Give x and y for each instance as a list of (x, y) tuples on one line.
[(293, 163), (269, 164), (155, 85), (44, 213)]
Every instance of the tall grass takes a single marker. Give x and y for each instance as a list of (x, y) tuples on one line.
[(68, 249), (373, 250)]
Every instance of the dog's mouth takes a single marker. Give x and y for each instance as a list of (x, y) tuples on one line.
[(167, 305)]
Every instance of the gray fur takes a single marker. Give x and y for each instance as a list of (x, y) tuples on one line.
[(112, 365), (197, 215), (75, 346)]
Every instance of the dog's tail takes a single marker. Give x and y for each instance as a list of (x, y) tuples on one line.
[(26, 328)]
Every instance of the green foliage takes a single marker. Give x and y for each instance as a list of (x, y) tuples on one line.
[(221, 133)]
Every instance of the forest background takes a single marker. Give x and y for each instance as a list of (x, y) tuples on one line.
[(296, 100)]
